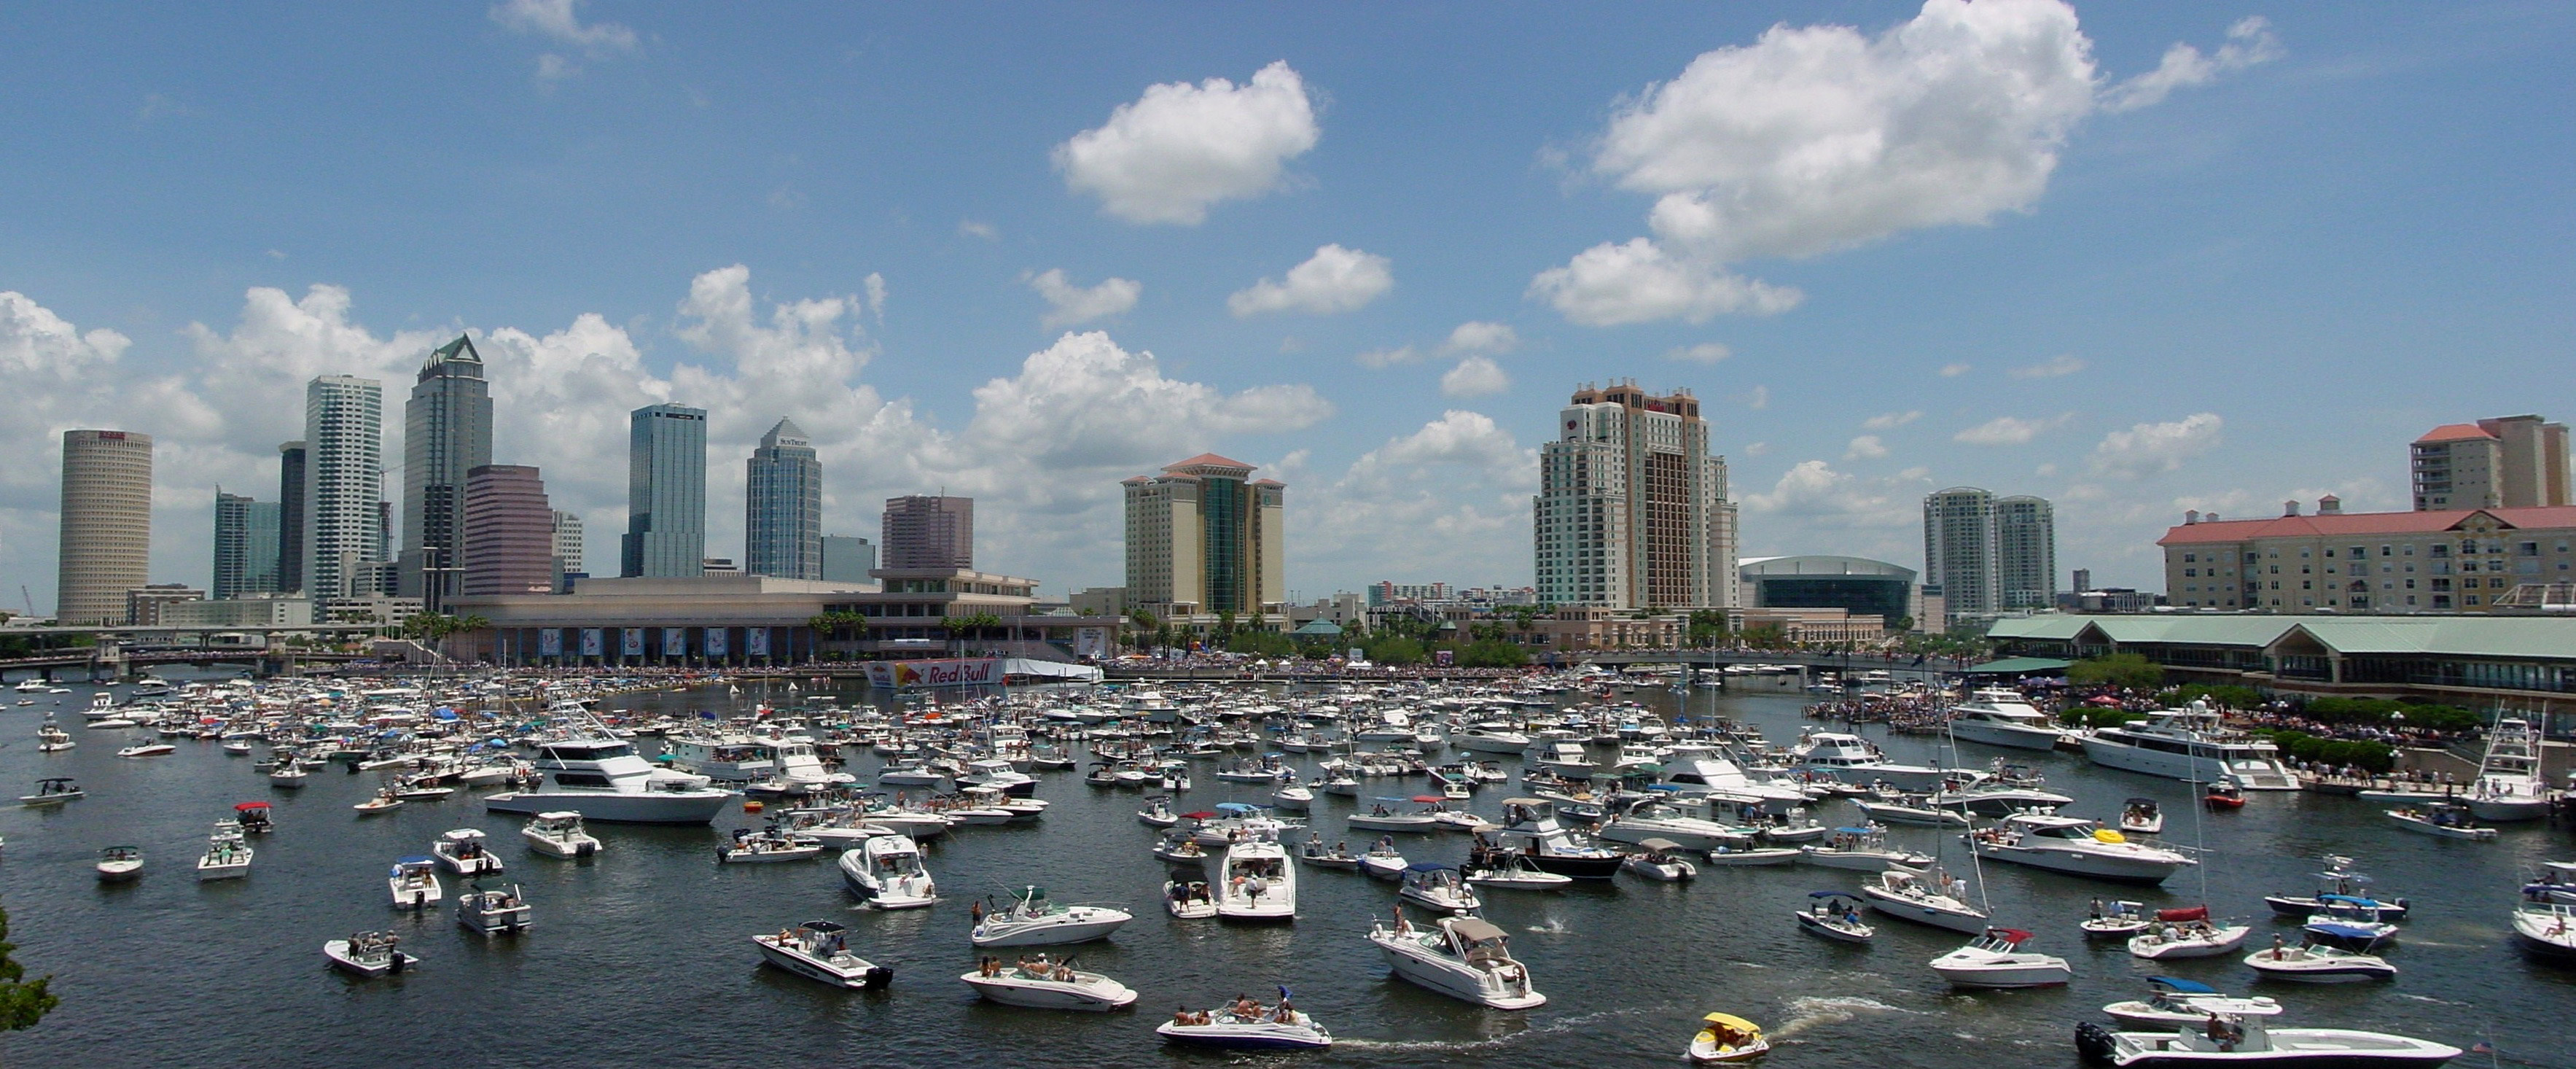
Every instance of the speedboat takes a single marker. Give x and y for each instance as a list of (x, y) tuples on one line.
[(465, 852), (1282, 1027), (1727, 1038), (1912, 811), (1834, 915), (2351, 923), (1464, 958), (1335, 858), (2187, 933), (53, 790), (560, 834), (2077, 848), (1380, 818), (2186, 1003), (1753, 855), (600, 777), (767, 846), (886, 872), (369, 954), (414, 883), (1255, 882), (1178, 849), (1996, 959), (385, 801), (2447, 820), (1031, 920), (1660, 859), (2191, 744), (287, 774), (819, 950), (1158, 812), (1188, 900), (1382, 862), (118, 864), (1039, 983), (2343, 880), (1294, 797), (227, 857), (2546, 929), (2000, 716), (2141, 816), (2224, 1040), (2317, 963), (1437, 887), (1862, 849), (1930, 897), (148, 749), (51, 738), (1508, 871), (2118, 920), (494, 910)]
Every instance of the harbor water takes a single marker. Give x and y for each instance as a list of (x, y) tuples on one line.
[(642, 955)]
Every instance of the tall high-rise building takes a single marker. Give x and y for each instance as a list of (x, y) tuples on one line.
[(290, 517), (1632, 509), (344, 482), (447, 432), (928, 531), (783, 506), (2026, 552), (1202, 538), (1959, 550), (666, 493), (106, 546), (246, 533), (509, 532), (2506, 462), (568, 542), (848, 558)]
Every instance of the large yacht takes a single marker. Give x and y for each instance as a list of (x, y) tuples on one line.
[(1699, 768), (1860, 762), (1998, 716), (1530, 827), (2190, 744), (601, 778), (2075, 847)]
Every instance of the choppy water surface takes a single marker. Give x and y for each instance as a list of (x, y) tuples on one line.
[(642, 957)]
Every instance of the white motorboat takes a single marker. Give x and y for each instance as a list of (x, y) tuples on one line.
[(1695, 768), (1932, 897), (287, 774), (2509, 786), (1158, 812), (2118, 920), (1490, 738), (1189, 900), (1465, 958), (2000, 716), (1379, 818), (1911, 811), (887, 873), (1268, 1028), (2546, 929), (2443, 820), (1655, 818), (2186, 1003), (1834, 915), (1039, 983), (1031, 920), (2317, 963), (51, 738), (1337, 857), (148, 749), (1727, 1039), (560, 834), (369, 954), (1530, 825), (466, 852), (819, 950), (600, 777), (1862, 849), (414, 883), (2187, 933), (1180, 850), (1996, 959), (767, 847), (494, 910), (2190, 744), (1859, 762), (2240, 1041), (2141, 816), (227, 857), (2351, 923), (1383, 863), (385, 801), (1561, 755), (2075, 847), (1730, 857), (421, 791), (1255, 882), (119, 864), (53, 790), (1661, 860), (1508, 871), (1437, 887), (2341, 879), (1293, 797)]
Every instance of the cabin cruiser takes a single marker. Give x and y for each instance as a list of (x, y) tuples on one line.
[(1041, 983), (1530, 826), (2000, 716), (1932, 897), (51, 738), (819, 950), (369, 954), (2509, 785), (601, 778), (1993, 799), (2186, 1003), (494, 910), (886, 872), (2318, 963), (2190, 744), (1654, 818), (2075, 847), (1293, 796), (1255, 882), (1859, 762), (465, 852), (1465, 958), (2222, 1039), (1490, 738), (997, 774), (414, 883), (1032, 920), (1437, 887), (1557, 751), (1280, 1027), (1996, 959), (560, 834), (728, 757), (1861, 848)]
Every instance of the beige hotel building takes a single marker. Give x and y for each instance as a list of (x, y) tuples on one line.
[(2437, 560)]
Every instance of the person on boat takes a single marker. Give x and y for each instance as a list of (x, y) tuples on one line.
[(1246, 1008), (1284, 1013), (2276, 946), (2097, 909), (1181, 1016), (976, 911)]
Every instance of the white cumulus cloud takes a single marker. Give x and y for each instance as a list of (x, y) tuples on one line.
[(1865, 447), (1069, 304), (2249, 42), (1451, 498), (2149, 448), (558, 21), (2054, 367), (1381, 359), (1643, 281), (1888, 421), (1475, 376), (2009, 430), (1482, 337), (1952, 371), (1707, 352), (1333, 280), (1176, 151)]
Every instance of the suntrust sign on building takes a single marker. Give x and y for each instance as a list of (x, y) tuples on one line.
[(974, 672)]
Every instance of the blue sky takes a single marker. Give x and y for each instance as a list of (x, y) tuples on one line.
[(2156, 279)]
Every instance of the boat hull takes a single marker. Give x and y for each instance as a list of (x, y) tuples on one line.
[(613, 807), (1053, 934), (864, 977), (1456, 981), (1099, 996), (1906, 909), (1246, 1037), (2144, 872), (2015, 738)]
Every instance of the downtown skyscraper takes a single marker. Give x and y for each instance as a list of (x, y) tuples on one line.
[(106, 542), (1202, 537), (783, 506), (1632, 509), (246, 533), (447, 432), (1989, 555), (344, 482), (666, 493), (928, 531)]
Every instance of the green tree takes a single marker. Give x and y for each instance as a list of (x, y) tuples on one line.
[(1707, 627), (2130, 670), (22, 1002)]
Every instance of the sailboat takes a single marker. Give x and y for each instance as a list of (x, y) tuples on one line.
[(2190, 932)]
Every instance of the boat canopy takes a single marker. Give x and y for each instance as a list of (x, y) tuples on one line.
[(1659, 844), (1474, 929), (2182, 986), (245, 807), (1853, 831), (1829, 894), (1425, 866), (2195, 913), (1731, 1021), (1237, 807), (2350, 900), (2009, 935), (416, 859), (1428, 798)]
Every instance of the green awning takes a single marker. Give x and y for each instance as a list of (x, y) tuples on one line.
[(2017, 666)]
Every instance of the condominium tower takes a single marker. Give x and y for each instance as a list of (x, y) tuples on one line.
[(447, 432), (1632, 509), (1988, 554), (106, 546), (666, 493), (1204, 538), (246, 533), (2506, 462), (509, 532), (2026, 552), (928, 531), (290, 516), (568, 543), (783, 506), (344, 482)]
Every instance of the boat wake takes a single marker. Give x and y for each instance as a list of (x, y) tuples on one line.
[(1811, 1011), (1552, 927), (1568, 1024), (2431, 999)]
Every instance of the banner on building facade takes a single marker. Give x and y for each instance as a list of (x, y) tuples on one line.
[(1091, 642), (675, 642), (1443, 658), (549, 642), (716, 641), (631, 641), (590, 643), (755, 642), (974, 672)]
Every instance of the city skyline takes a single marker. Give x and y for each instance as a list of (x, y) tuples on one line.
[(1384, 313)]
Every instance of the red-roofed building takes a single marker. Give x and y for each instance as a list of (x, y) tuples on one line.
[(2449, 560), (2506, 462)]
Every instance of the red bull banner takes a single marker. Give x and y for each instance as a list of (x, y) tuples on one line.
[(971, 672)]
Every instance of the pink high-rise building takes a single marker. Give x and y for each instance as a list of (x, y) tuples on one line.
[(509, 531)]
